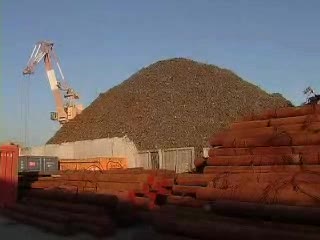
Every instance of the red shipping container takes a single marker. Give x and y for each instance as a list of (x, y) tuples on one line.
[(8, 174)]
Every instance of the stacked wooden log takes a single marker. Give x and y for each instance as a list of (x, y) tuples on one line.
[(260, 181), (136, 184), (95, 202), (287, 127), (66, 213), (271, 158)]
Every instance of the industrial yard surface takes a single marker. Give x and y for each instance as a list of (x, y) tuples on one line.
[(12, 230), (171, 121)]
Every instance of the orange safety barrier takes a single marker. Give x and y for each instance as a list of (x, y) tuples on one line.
[(94, 164)]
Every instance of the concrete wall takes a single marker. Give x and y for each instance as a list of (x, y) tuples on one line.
[(178, 159), (106, 147)]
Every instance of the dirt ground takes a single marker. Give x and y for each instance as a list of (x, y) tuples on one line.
[(11, 230)]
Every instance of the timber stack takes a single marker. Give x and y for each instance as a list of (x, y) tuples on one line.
[(260, 181), (135, 185), (94, 202), (270, 158)]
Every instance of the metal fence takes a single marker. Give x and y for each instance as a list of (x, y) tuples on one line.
[(177, 159)]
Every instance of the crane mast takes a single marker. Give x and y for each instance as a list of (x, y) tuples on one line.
[(64, 96)]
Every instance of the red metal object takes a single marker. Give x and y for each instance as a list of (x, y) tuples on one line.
[(8, 174)]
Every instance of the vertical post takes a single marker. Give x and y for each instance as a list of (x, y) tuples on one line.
[(192, 158), (161, 159), (149, 160)]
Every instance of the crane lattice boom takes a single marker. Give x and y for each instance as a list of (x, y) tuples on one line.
[(66, 107)]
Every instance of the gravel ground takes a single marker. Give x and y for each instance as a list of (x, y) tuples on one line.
[(11, 230)]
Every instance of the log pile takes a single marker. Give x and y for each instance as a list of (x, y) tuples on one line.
[(94, 202), (270, 158), (260, 181), (134, 185), (65, 213)]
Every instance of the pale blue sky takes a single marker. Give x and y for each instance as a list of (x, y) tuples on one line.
[(272, 43)]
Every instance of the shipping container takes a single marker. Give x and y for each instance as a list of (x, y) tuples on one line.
[(38, 164), (8, 174)]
